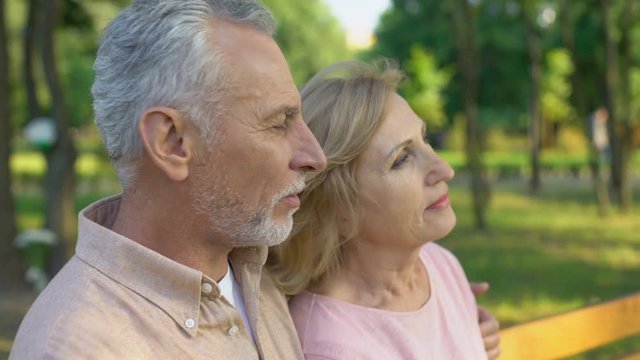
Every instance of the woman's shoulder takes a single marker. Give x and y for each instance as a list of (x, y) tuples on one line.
[(444, 268), (310, 309), (327, 328), (436, 254)]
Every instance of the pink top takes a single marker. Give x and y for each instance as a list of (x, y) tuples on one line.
[(446, 327)]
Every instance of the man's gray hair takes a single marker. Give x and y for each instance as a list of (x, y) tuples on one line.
[(160, 53)]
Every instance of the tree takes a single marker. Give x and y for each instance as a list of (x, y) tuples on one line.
[(9, 256), (624, 132), (464, 27), (555, 90), (425, 86), (529, 16), (309, 35), (618, 19), (581, 35), (31, 30), (60, 177)]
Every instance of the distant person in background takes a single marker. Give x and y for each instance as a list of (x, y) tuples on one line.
[(366, 277), (599, 132), (600, 155)]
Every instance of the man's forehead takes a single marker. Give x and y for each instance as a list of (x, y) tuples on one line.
[(241, 40)]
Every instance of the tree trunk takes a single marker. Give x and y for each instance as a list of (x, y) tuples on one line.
[(535, 59), (11, 274), (59, 182), (618, 98), (32, 28), (468, 60), (611, 95), (625, 130), (597, 160), (567, 20)]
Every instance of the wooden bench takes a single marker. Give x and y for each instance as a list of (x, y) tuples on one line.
[(574, 332)]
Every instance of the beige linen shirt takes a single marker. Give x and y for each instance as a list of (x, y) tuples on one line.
[(116, 299)]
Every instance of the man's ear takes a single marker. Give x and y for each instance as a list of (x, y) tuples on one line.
[(167, 142)]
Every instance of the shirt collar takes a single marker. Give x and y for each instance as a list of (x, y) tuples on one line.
[(173, 287)]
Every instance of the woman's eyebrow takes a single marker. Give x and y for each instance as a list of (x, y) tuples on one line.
[(399, 146)]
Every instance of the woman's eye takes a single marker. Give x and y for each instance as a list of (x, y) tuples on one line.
[(400, 160)]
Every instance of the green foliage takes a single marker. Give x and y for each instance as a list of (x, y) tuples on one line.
[(571, 139), (503, 96), (78, 91), (556, 87), (635, 94), (509, 118), (76, 72), (75, 15), (516, 160), (502, 45), (424, 88), (429, 26), (309, 35), (76, 39)]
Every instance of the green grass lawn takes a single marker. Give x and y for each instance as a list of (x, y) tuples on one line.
[(549, 254)]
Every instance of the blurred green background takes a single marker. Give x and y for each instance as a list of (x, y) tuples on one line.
[(512, 93)]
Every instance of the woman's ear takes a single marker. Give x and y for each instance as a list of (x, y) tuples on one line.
[(167, 142)]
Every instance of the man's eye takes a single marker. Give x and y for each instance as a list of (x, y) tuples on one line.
[(280, 122)]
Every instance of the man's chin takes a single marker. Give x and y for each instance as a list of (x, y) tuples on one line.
[(269, 234)]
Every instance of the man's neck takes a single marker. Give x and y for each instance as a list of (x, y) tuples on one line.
[(166, 230)]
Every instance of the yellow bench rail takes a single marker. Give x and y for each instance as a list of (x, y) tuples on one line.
[(573, 332)]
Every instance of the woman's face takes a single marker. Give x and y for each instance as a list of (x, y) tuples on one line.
[(403, 183)]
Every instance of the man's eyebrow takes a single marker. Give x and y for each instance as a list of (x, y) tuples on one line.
[(283, 109)]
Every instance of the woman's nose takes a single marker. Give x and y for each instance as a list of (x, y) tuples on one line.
[(439, 169)]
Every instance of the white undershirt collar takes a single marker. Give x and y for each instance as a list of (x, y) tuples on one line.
[(232, 291)]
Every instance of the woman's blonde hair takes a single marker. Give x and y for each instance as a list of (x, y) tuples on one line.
[(343, 105)]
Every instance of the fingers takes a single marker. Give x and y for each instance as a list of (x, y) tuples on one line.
[(493, 353), (489, 329), (479, 288)]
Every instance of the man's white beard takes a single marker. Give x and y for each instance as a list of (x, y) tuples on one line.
[(230, 216)]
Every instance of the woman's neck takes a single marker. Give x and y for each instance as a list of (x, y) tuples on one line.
[(377, 276)]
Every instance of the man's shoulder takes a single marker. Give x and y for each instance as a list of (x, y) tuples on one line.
[(80, 309)]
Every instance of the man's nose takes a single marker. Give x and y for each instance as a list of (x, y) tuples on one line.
[(308, 155)]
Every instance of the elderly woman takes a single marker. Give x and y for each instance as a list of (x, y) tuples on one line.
[(367, 279)]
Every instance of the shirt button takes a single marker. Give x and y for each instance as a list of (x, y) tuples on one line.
[(190, 323), (207, 288), (233, 331)]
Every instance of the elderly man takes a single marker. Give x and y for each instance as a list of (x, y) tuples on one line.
[(201, 118)]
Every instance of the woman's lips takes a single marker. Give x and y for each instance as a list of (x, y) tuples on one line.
[(441, 203)]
